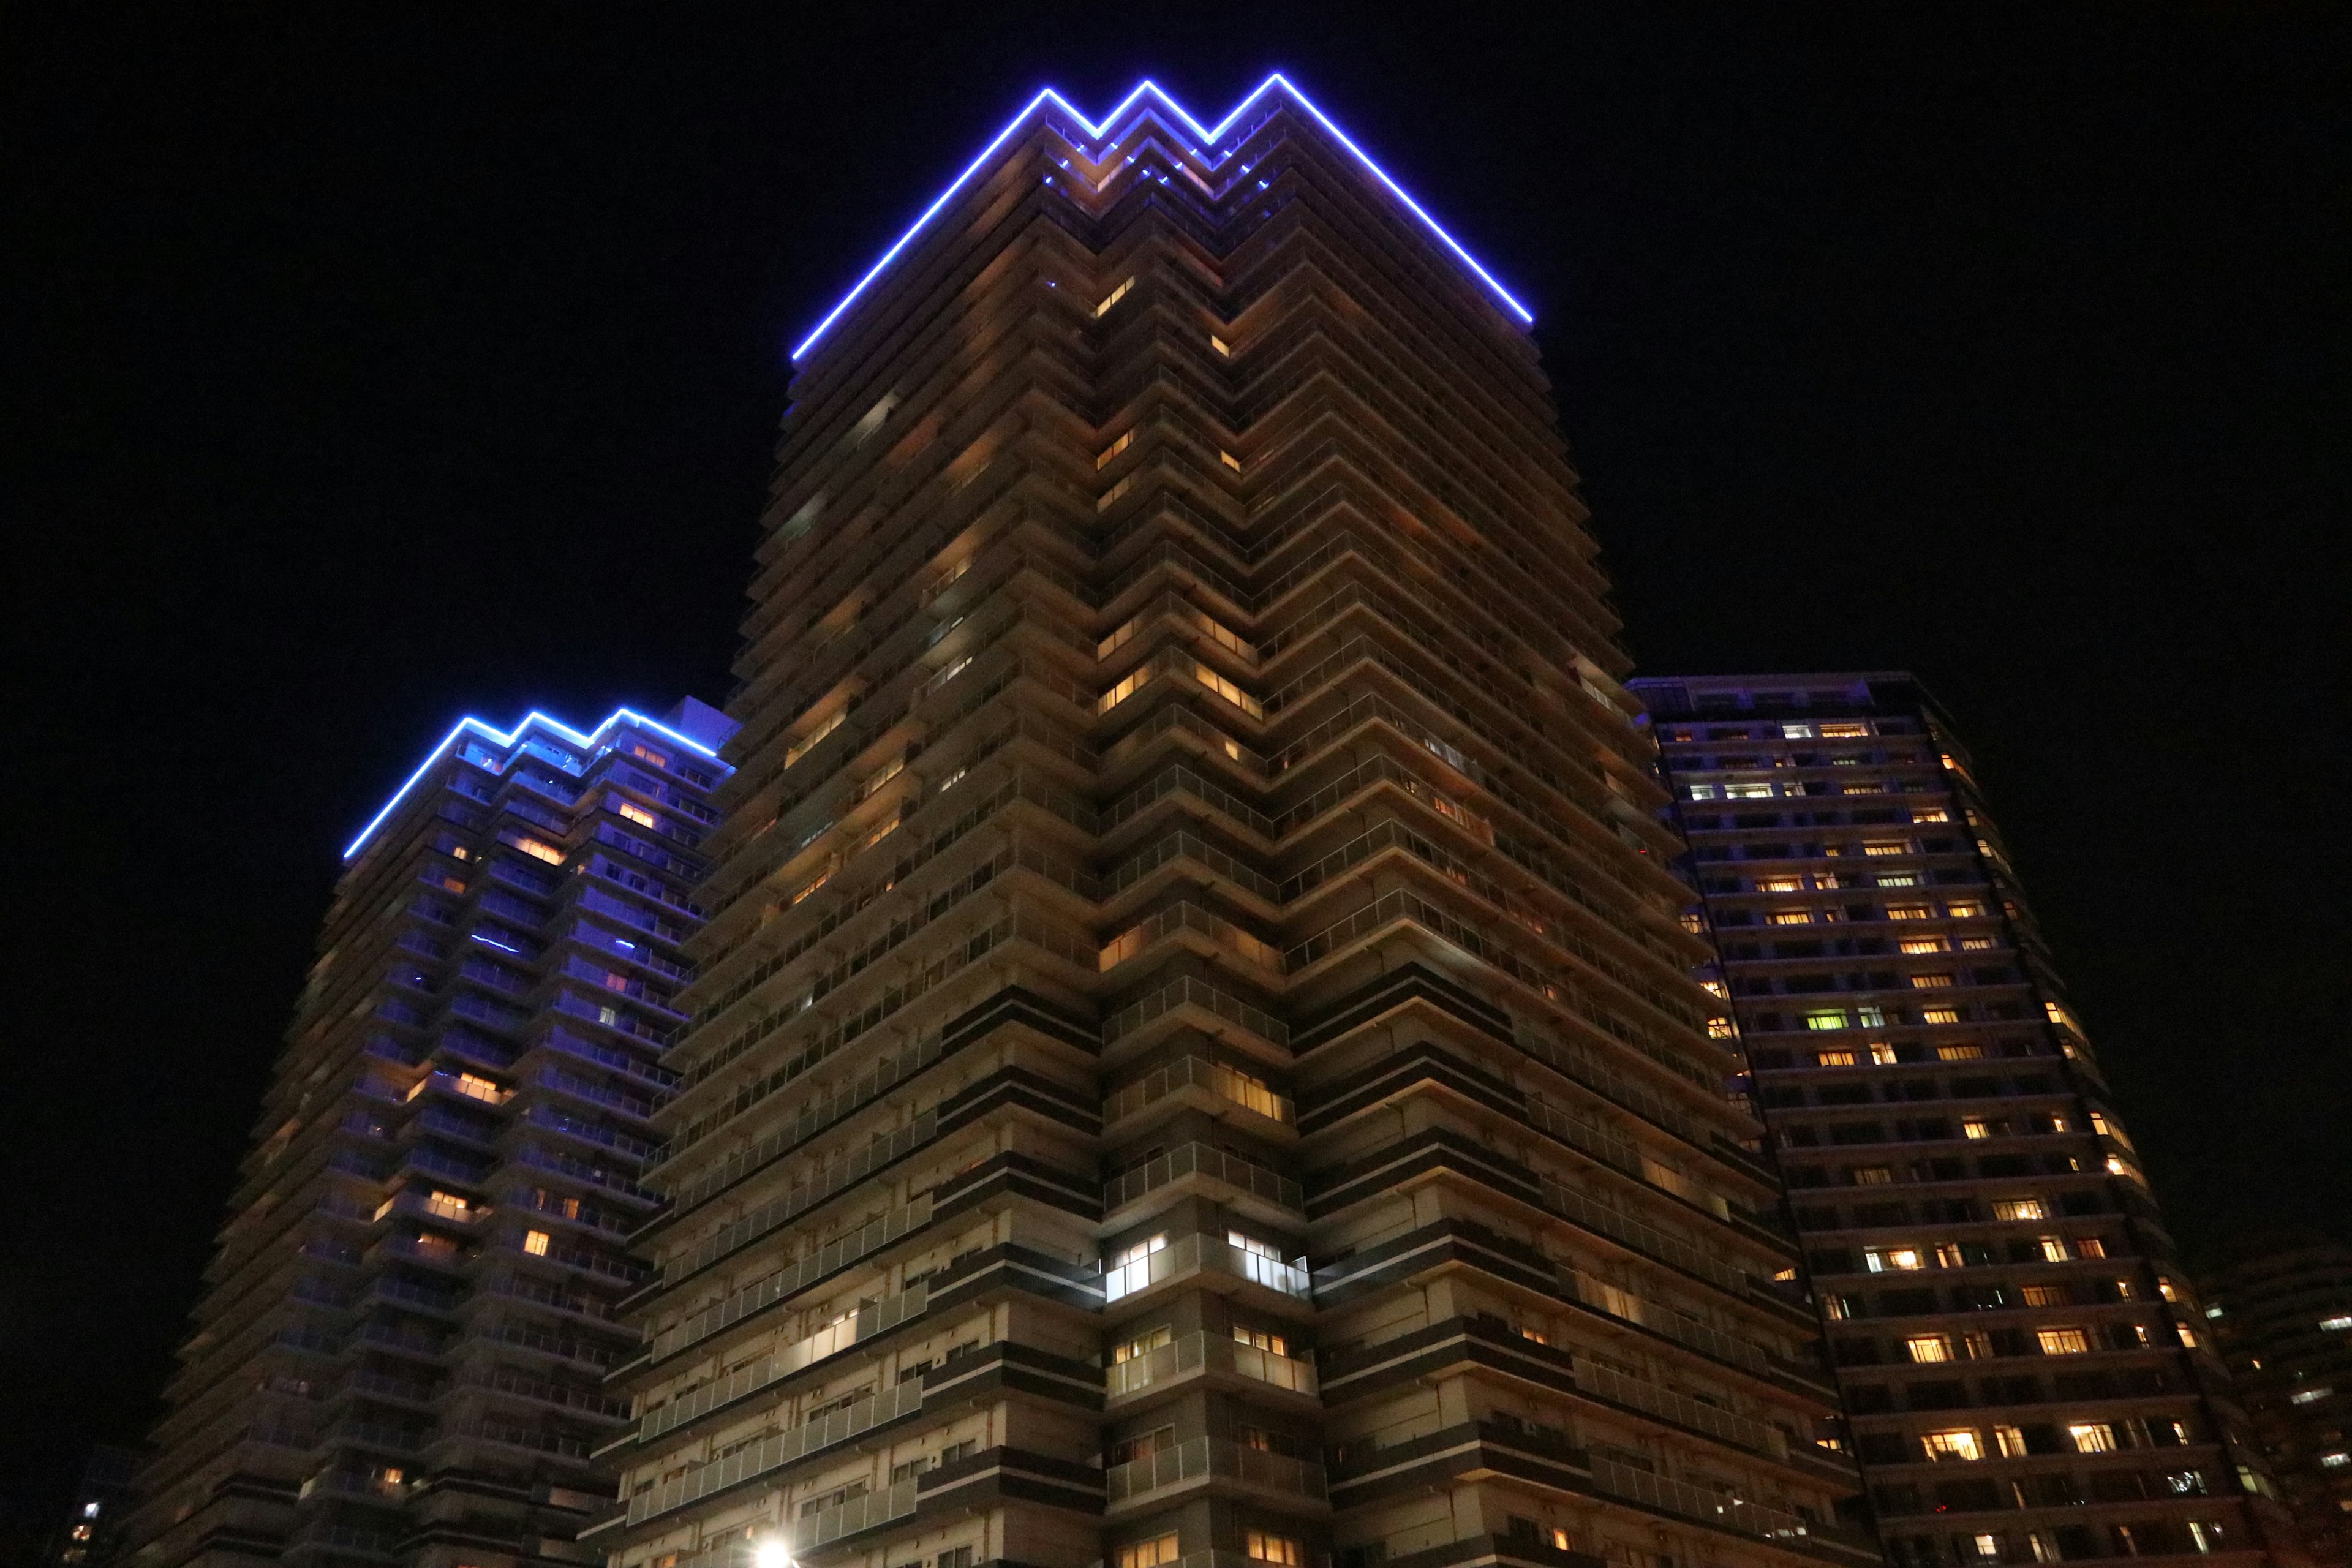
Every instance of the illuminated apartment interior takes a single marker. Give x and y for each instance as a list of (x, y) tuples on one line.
[(2021, 1353)]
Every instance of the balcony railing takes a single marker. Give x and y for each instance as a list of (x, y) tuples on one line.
[(774, 1452), (1205, 1456), (1201, 1160), (848, 1518), (1721, 1508), (1196, 1072), (1196, 1352), (699, 1400), (1205, 1252)]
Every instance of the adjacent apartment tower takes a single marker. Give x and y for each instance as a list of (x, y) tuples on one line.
[(399, 1354), (2019, 1348), (1195, 1055), (2280, 1306)]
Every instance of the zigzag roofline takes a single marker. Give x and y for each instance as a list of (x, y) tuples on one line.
[(1210, 148)]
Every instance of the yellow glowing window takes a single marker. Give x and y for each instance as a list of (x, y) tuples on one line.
[(1122, 947), (1229, 460), (1120, 638), (1780, 885), (2091, 1437), (2090, 1247), (1960, 1053), (1965, 911), (1537, 1335), (822, 878), (536, 1242), (1872, 1175), (879, 834), (1930, 982), (1861, 786), (1844, 732), (1148, 1553), (1561, 1540), (1926, 944), (1883, 847), (1901, 1257), (639, 815), (1975, 1127), (1220, 345), (1109, 498), (1144, 1346), (2062, 1341), (2009, 1441), (475, 1087), (1976, 945), (1273, 1344), (1906, 912), (2018, 1208), (1834, 1058), (1279, 1549), (1113, 298), (1789, 917), (1946, 1446), (1719, 1029), (1881, 1053), (1949, 1016), (2047, 1296), (1103, 459), (1123, 691), (448, 1205), (2188, 1335), (1930, 814), (795, 753), (1930, 1348), (537, 851), (1227, 689)]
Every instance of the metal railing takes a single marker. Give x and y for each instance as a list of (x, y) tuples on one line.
[(706, 1397), (1190, 992), (1205, 1252), (1202, 1160), (1202, 1456), (1196, 1071), (777, 1450), (852, 1516), (1607, 1383), (1199, 1351)]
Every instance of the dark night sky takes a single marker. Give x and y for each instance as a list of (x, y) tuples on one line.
[(366, 368)]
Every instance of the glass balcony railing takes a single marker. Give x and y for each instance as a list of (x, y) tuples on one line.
[(1211, 1456), (1201, 1160), (1199, 1351), (1194, 1252)]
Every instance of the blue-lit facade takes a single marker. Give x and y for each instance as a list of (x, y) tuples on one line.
[(398, 1356)]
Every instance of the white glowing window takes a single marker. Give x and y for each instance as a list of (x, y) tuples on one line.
[(1945, 1445), (2310, 1395), (2333, 1325)]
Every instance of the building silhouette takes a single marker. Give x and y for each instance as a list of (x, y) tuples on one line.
[(2280, 1306), (399, 1352), (2021, 1353), (1196, 1056)]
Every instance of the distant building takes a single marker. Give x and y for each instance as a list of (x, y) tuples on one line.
[(2020, 1351), (400, 1349), (91, 1536), (2281, 1309)]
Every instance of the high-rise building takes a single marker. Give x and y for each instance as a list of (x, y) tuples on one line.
[(91, 1536), (2020, 1351), (2280, 1306), (1195, 1055), (398, 1356)]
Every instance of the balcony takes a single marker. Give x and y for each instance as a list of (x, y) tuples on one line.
[(1243, 1178), (775, 1452), (1725, 1512), (1276, 1478), (1207, 1354), (851, 1516), (1218, 1083), (1195, 1254)]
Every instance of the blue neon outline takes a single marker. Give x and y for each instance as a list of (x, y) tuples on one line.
[(1098, 130), (476, 726)]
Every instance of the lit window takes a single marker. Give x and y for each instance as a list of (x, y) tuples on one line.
[(1949, 1053), (1930, 814), (1964, 911), (2188, 1335), (1273, 1344), (475, 1087), (2310, 1395), (1280, 1550), (1220, 345), (1113, 298), (1943, 1445), (1975, 1127), (1906, 912), (1881, 1053), (1148, 1553), (1844, 730), (2047, 1296), (638, 814), (1227, 689), (1123, 691), (1788, 918), (2018, 1208), (1825, 1020), (537, 851), (1987, 1546), (1930, 982), (1901, 1257), (1930, 1348), (1747, 792), (1796, 731), (1229, 460), (2009, 1442), (795, 753), (2091, 1437), (1976, 945), (1133, 1348), (2336, 1461), (1901, 879), (1834, 1058), (1701, 792), (2333, 1325), (1873, 1176), (1561, 1542), (2062, 1341), (2054, 1251), (1780, 885), (2090, 1247), (536, 1243), (1102, 460), (1926, 944), (1883, 847), (448, 1205)]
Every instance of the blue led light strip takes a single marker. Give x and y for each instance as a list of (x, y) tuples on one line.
[(1207, 136), (477, 727)]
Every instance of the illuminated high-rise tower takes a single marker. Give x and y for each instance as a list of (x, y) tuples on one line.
[(1194, 1054), (399, 1353), (2019, 1348)]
